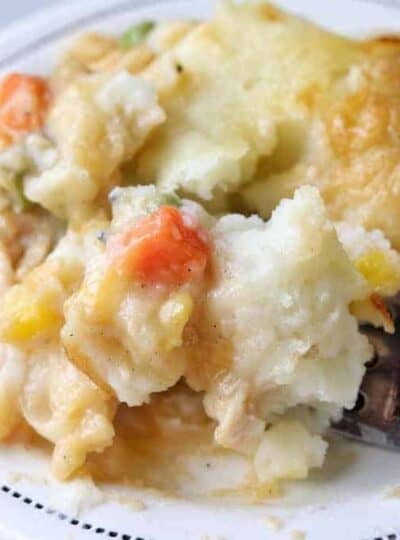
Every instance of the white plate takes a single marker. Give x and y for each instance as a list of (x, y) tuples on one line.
[(346, 502)]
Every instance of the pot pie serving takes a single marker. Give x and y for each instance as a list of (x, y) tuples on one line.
[(200, 210)]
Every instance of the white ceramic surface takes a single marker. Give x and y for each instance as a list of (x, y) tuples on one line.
[(12, 11), (346, 502)]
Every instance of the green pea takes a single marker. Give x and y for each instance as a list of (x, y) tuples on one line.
[(135, 34), (170, 199)]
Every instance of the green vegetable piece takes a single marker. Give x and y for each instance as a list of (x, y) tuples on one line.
[(21, 202), (136, 34), (171, 199)]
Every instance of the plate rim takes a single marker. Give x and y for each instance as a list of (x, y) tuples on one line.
[(77, 15)]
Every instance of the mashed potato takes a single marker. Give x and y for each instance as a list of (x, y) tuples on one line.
[(211, 207), (223, 114), (99, 124), (291, 272), (349, 147), (265, 102)]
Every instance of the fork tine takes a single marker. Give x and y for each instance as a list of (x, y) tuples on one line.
[(375, 419)]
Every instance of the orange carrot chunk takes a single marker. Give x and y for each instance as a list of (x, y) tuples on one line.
[(165, 248), (24, 101)]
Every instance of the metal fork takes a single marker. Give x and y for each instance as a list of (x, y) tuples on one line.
[(375, 418)]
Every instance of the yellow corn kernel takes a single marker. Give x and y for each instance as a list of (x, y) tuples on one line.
[(24, 317), (174, 314), (379, 271)]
